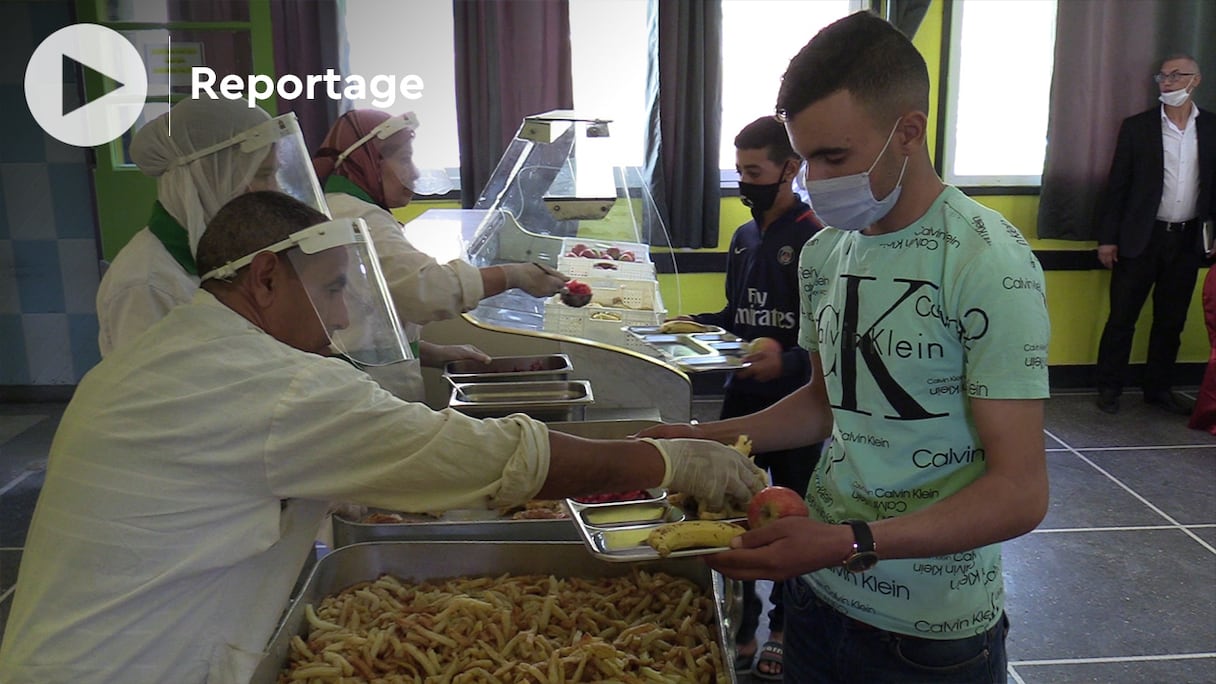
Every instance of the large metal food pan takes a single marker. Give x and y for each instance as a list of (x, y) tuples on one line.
[(509, 368), (347, 532), (432, 560), (541, 400)]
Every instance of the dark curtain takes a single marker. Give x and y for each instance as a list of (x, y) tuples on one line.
[(1105, 55), (512, 60), (684, 108), (308, 39)]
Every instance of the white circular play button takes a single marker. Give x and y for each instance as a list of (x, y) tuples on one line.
[(95, 48)]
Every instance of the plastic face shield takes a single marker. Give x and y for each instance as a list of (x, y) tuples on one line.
[(286, 167), (396, 147), (336, 262)]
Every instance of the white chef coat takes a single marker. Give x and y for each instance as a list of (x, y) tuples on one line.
[(161, 549), (141, 285), (423, 289)]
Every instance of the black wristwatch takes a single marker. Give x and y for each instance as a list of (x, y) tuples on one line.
[(864, 556)]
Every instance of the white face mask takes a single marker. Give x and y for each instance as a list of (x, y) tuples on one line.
[(1175, 98), (848, 202)]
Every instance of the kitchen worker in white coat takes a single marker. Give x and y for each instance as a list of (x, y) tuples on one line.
[(193, 464), (213, 151), (366, 167)]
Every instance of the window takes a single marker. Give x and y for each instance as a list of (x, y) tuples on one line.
[(392, 38), (759, 37), (999, 87), (608, 61)]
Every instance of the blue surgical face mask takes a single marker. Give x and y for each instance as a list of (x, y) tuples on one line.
[(848, 202)]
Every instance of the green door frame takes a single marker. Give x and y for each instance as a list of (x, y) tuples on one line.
[(122, 195)]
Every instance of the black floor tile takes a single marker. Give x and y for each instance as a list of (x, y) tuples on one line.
[(1181, 482), (30, 445), (1083, 497), (9, 562), (5, 606), (1076, 420), (1109, 594), (1194, 671), (17, 508)]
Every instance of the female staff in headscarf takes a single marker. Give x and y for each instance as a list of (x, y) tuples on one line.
[(218, 149), (366, 166)]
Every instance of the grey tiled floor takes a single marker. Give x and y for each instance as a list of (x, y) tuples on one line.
[(1118, 584)]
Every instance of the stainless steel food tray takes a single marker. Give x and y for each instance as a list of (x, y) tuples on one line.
[(715, 349), (509, 369), (622, 538), (433, 560), (454, 526), (552, 400)]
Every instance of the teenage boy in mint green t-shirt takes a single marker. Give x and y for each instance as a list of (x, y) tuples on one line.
[(925, 318)]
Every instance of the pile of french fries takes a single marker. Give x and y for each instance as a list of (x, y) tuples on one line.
[(639, 629)]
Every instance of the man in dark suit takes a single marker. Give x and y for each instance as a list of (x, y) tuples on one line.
[(1159, 192)]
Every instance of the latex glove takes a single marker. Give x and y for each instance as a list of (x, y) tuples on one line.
[(710, 471), (537, 280), (436, 355)]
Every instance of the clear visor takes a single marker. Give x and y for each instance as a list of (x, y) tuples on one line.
[(286, 166), (395, 143), (348, 292), (337, 264)]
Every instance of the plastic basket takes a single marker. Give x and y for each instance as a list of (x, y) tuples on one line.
[(585, 267), (602, 324)]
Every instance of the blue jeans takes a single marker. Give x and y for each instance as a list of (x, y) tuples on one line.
[(823, 646)]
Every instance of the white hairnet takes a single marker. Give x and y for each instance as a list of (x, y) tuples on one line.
[(192, 193)]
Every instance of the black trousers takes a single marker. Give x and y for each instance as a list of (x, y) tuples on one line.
[(789, 468), (1168, 267)]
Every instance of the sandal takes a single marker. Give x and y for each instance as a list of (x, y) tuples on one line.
[(771, 653)]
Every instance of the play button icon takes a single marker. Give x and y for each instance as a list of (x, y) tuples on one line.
[(96, 49)]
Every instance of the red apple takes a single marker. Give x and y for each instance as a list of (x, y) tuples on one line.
[(774, 502)]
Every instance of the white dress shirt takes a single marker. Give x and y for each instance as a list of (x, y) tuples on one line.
[(1181, 180)]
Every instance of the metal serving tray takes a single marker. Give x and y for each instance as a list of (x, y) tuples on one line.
[(715, 349), (551, 400), (454, 526), (509, 368), (432, 560), (621, 538)]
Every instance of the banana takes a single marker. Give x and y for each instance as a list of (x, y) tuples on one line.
[(692, 534), (743, 445), (673, 327)]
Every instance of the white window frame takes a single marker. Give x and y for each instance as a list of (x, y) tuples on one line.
[(948, 139)]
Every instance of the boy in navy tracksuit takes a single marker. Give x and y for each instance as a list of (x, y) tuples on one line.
[(762, 301)]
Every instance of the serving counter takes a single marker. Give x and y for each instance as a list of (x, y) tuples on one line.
[(554, 199)]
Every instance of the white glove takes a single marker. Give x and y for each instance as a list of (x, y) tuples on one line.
[(535, 279), (710, 471)]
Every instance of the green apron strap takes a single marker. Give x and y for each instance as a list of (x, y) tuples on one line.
[(345, 186), (173, 236)]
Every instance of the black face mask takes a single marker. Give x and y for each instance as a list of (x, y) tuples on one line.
[(760, 197)]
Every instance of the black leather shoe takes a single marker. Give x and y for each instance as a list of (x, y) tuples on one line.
[(1168, 401), (1108, 402)]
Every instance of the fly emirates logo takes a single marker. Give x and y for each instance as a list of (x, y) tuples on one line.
[(757, 313)]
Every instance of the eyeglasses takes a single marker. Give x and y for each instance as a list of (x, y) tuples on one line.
[(1172, 76)]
